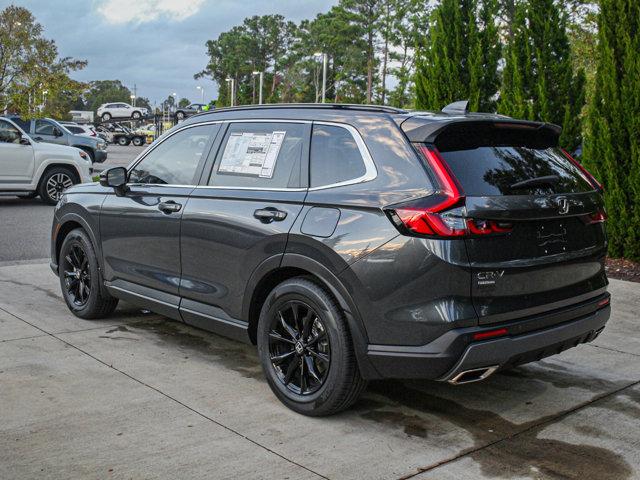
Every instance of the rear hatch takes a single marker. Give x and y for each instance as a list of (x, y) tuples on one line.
[(534, 218)]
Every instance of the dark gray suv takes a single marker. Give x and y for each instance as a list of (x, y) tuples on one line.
[(349, 243)]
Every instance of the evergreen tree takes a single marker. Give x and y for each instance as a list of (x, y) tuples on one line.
[(458, 59), (612, 143), (539, 82)]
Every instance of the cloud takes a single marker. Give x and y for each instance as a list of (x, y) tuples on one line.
[(143, 11)]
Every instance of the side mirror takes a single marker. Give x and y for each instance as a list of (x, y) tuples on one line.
[(115, 178), (24, 140)]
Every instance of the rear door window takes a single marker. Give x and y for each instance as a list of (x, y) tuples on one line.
[(335, 156), (262, 155)]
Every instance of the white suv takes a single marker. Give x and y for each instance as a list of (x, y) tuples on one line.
[(29, 168), (107, 111)]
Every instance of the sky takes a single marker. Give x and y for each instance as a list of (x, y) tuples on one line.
[(156, 45)]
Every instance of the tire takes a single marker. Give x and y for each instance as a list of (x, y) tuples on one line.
[(123, 141), (106, 117), (138, 141), (54, 182), (322, 336), (180, 115), (78, 265), (136, 115)]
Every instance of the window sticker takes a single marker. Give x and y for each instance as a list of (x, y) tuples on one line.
[(253, 154)]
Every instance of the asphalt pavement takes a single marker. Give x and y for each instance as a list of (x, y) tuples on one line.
[(25, 225)]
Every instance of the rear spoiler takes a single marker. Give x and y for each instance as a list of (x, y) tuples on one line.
[(427, 129)]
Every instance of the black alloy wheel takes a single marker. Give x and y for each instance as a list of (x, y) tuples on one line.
[(80, 278), (77, 277), (299, 348)]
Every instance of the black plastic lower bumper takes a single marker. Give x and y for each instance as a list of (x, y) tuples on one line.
[(453, 353)]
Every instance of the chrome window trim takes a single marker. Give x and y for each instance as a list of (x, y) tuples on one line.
[(371, 172)]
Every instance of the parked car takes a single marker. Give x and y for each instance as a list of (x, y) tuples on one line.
[(107, 111), (184, 112), (29, 168), (51, 131), (349, 243), (77, 129)]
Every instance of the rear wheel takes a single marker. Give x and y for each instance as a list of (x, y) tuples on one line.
[(106, 117), (80, 278), (180, 115), (123, 141), (306, 350), (54, 182), (138, 141)]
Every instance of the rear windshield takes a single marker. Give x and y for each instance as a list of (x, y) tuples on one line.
[(514, 170)]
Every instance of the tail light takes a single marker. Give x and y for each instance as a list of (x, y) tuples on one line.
[(585, 173), (596, 217), (444, 215)]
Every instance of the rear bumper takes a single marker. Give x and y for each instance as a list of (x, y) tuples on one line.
[(451, 354)]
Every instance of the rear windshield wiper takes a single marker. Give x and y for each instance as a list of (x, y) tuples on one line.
[(536, 182)]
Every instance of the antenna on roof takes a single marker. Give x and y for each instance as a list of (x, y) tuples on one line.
[(457, 108)]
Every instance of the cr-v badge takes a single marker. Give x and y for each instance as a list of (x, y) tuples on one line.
[(489, 277)]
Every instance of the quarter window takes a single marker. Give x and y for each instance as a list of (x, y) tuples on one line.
[(175, 160), (261, 155), (9, 133), (335, 156)]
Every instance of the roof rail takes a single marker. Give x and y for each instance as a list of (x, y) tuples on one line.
[(320, 106)]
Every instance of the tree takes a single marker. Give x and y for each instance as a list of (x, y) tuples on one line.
[(458, 59), (539, 80), (30, 70), (106, 91), (612, 143), (184, 102)]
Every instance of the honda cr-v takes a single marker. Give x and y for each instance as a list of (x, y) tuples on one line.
[(348, 243)]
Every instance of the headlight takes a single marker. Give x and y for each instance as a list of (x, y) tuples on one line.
[(84, 156), (102, 145)]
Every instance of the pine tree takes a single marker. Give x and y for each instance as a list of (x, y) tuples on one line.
[(459, 57), (442, 73), (612, 143), (539, 82)]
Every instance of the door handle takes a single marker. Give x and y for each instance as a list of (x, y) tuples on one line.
[(269, 214), (169, 207)]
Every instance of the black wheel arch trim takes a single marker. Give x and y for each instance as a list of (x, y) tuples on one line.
[(330, 281)]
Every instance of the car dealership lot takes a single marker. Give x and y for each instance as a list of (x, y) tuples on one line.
[(138, 396)]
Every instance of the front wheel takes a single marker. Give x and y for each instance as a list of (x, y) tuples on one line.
[(80, 278), (306, 350), (54, 183), (136, 115), (180, 115), (138, 141), (106, 117), (123, 141)]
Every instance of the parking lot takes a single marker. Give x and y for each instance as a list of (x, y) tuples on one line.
[(139, 396)]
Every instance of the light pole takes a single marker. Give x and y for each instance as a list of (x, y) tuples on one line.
[(44, 98), (260, 90), (133, 100), (232, 82), (201, 92), (324, 72), (175, 101)]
